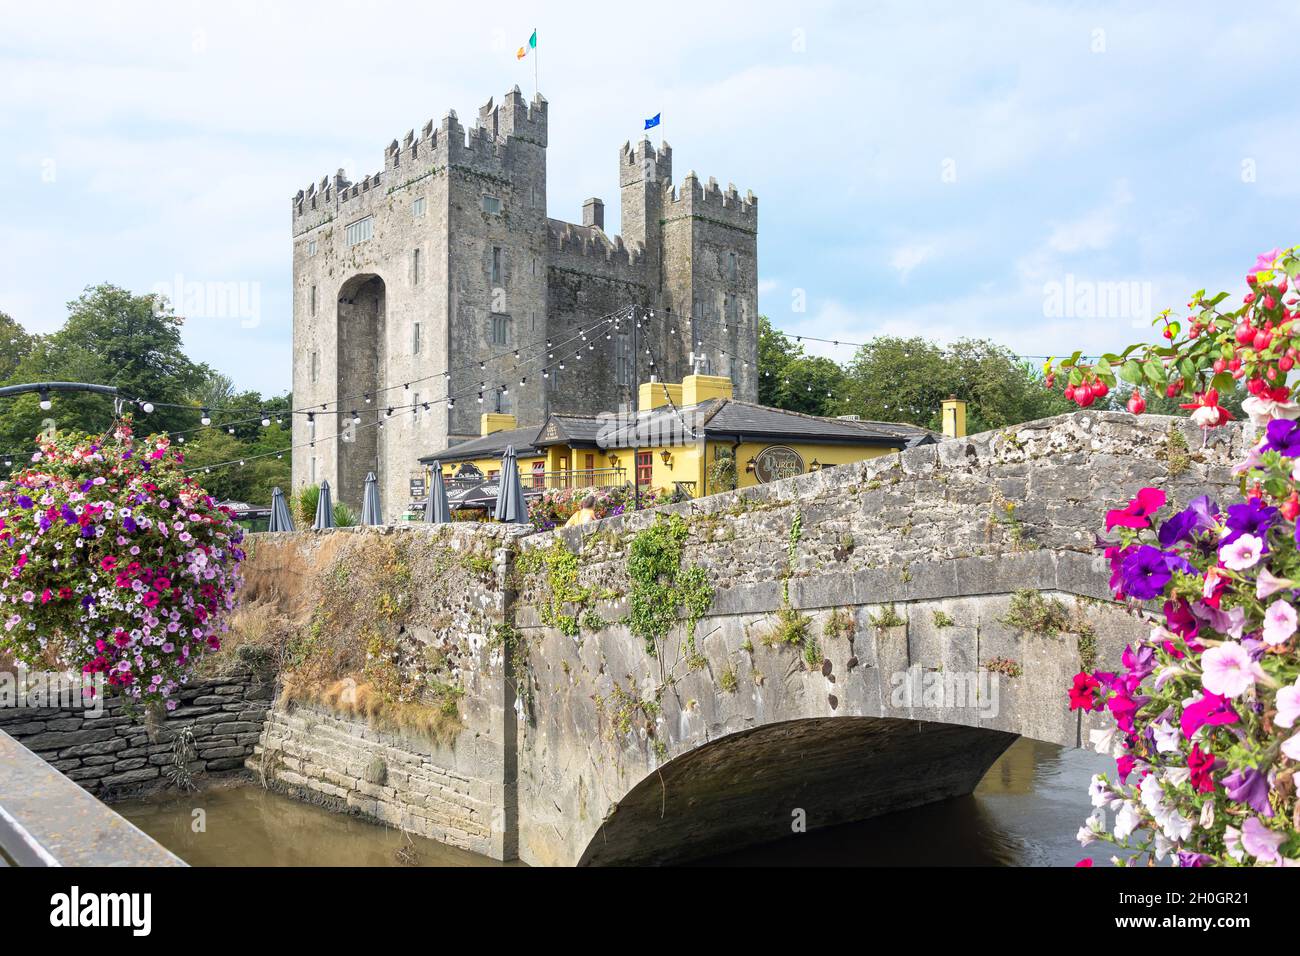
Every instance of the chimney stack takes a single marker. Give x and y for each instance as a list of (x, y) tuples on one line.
[(593, 213)]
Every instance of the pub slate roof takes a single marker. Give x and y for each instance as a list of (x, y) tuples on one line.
[(714, 417), (489, 446)]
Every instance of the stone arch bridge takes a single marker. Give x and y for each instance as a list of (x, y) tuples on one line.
[(877, 636)]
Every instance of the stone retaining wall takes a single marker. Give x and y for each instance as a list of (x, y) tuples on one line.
[(407, 782), (112, 754)]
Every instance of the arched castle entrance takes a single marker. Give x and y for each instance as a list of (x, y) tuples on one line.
[(361, 361)]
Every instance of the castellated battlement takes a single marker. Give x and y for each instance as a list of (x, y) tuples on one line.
[(568, 239), (709, 201), (640, 163), (487, 144)]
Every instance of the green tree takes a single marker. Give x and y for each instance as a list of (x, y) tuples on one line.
[(789, 378), (16, 343), (906, 380)]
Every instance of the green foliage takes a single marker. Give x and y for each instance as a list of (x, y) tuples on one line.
[(728, 681), (344, 517), (308, 499), (941, 619), (662, 587), (886, 617), (133, 342), (1030, 611), (789, 378), (560, 566), (839, 625), (1004, 666)]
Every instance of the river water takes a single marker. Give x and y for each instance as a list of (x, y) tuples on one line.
[(1024, 813)]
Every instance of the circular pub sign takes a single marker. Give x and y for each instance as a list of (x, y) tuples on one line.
[(776, 462)]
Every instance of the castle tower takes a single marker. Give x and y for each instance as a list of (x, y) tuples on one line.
[(442, 276)]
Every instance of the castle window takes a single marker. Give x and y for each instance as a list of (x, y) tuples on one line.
[(496, 265), (534, 265), (623, 360), (491, 205), (311, 302), (500, 330), (315, 367), (417, 207), (415, 340), (416, 407), (360, 231), (415, 267), (311, 247), (731, 266)]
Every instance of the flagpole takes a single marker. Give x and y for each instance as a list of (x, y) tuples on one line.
[(537, 56)]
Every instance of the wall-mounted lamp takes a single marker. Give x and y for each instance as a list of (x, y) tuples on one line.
[(613, 461), (814, 465), (667, 456), (749, 466)]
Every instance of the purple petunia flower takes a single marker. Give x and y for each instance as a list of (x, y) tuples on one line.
[(1250, 787), (1147, 570), (24, 502), (1194, 520), (1252, 517), (1283, 437)]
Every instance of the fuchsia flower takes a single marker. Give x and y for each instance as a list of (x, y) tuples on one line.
[(1207, 710)]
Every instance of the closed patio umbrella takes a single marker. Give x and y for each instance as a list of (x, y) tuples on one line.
[(280, 519), (371, 513), (324, 509), (511, 507), (436, 510)]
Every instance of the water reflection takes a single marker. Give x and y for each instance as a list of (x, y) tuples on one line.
[(249, 826), (1025, 812)]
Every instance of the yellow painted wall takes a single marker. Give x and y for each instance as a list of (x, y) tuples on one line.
[(827, 455)]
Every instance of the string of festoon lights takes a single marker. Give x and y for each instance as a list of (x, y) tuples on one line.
[(586, 340), (586, 333)]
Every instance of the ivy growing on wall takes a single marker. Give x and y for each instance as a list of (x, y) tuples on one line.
[(662, 587)]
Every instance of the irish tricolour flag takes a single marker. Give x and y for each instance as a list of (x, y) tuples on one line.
[(530, 45)]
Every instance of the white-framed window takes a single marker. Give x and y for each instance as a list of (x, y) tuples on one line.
[(418, 207), (311, 301), (415, 341), (496, 265), (415, 267), (360, 231), (311, 247), (500, 330), (491, 205)]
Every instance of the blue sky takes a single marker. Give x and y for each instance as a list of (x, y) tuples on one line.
[(924, 168)]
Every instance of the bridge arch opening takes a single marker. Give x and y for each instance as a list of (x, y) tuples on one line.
[(362, 327), (760, 785)]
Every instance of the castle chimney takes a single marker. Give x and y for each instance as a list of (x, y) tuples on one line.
[(593, 213)]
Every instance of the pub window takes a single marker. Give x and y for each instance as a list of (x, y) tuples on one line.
[(539, 474), (644, 467)]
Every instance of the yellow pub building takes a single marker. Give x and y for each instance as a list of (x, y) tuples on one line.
[(691, 437)]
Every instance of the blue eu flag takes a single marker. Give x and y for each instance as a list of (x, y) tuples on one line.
[(652, 121)]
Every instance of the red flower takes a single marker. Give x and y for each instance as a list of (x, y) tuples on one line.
[(1200, 763), (1139, 510), (1081, 694)]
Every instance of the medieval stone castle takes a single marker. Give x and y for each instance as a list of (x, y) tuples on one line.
[(442, 276)]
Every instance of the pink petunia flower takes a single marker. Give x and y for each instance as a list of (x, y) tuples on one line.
[(1242, 553), (1279, 623), (1227, 670)]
